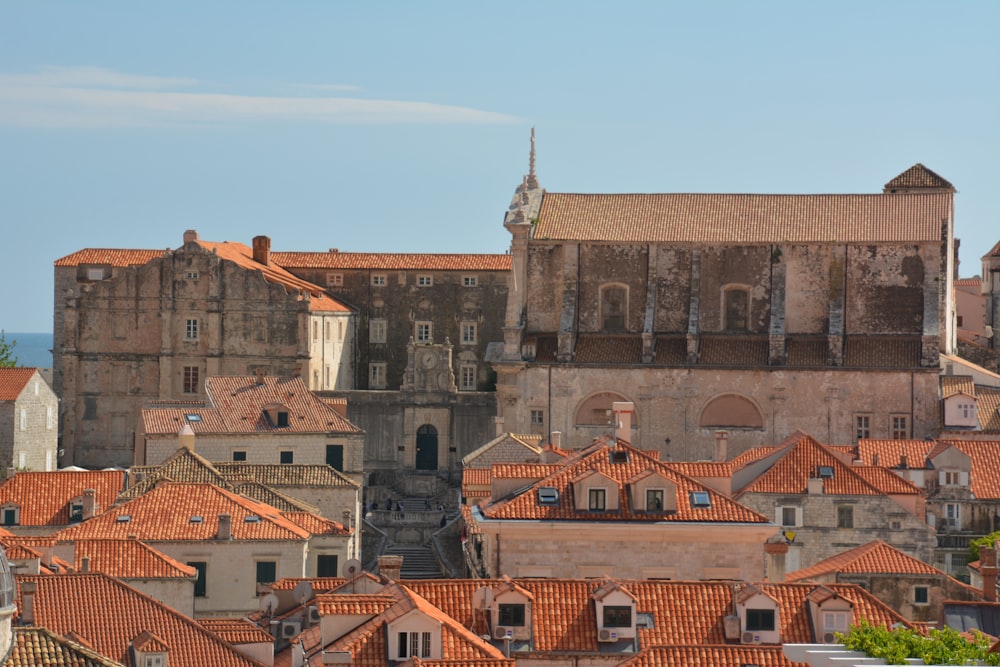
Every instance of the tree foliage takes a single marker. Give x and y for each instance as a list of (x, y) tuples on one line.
[(984, 541), (7, 357), (938, 647)]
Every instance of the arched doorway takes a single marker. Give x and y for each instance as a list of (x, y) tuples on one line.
[(427, 448)]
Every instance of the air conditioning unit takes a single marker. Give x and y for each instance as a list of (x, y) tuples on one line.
[(748, 637), (606, 635), (830, 637), (291, 628), (313, 614), (503, 632)]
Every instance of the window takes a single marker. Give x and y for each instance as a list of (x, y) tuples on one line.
[(951, 478), (614, 301), (378, 279), (286, 457), (76, 512), (282, 421), (190, 380), (191, 329), (617, 616), (192, 417), (424, 332), (468, 333), (267, 571), (596, 499), (11, 516), (789, 516), (862, 427), (959, 320), (654, 500), (845, 516), (921, 595), (315, 330), (700, 499), (335, 280), (414, 645), (895, 524), (48, 417), (24, 419), (154, 660), (376, 376), (335, 457), (836, 621), (200, 587), (424, 280), (191, 275), (899, 427), (511, 615), (468, 378), (95, 274), (968, 410), (760, 620), (825, 472), (537, 417), (469, 281), (326, 565), (376, 331), (735, 302), (952, 515), (239, 456)]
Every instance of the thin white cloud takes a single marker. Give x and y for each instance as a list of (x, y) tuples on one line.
[(93, 97)]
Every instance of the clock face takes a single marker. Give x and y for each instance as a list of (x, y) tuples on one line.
[(428, 360)]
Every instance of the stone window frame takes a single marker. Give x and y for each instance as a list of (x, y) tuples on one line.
[(286, 454), (377, 375), (780, 516), (597, 499), (899, 426), (470, 281), (602, 303), (467, 377), (425, 280), (862, 426), (537, 416), (335, 279), (190, 379), (191, 326), (13, 508), (845, 521), (423, 331), (921, 591), (470, 332), (377, 329), (724, 291), (379, 280)]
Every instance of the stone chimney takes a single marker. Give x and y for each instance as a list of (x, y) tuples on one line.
[(225, 527), (498, 426), (622, 412), (814, 486), (85, 564), (722, 446), (185, 437), (261, 249), (89, 504), (988, 568), (28, 602), (190, 236), (259, 376), (390, 567), (775, 551)]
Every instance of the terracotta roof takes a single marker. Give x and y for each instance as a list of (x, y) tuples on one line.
[(524, 470), (800, 460), (40, 647), (164, 514), (67, 604), (957, 384), (918, 176), (888, 453), (974, 281), (882, 351), (525, 505), (733, 351), (810, 351), (546, 347), (380, 261), (275, 499), (330, 604), (873, 558), (460, 662), (686, 656), (984, 482), (183, 465), (670, 351), (44, 497), (608, 349), (236, 404), (236, 630), (13, 381), (702, 468), (735, 218), (112, 256), (317, 583), (988, 408), (128, 559), (475, 477), (531, 443), (315, 524), (285, 475)]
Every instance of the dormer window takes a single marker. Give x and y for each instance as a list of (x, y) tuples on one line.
[(617, 456), (282, 421), (596, 500), (277, 415), (760, 620), (615, 610), (76, 512), (511, 614), (654, 500), (413, 645), (11, 514), (617, 616)]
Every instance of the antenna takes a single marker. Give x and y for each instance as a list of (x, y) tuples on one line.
[(303, 591), (482, 598)]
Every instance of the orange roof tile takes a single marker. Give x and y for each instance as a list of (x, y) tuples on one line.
[(392, 261), (735, 218), (315, 524), (332, 604), (873, 558), (44, 497), (882, 352), (702, 468), (112, 256), (608, 349), (128, 559), (988, 409), (736, 350), (236, 630), (686, 656), (974, 281), (957, 384), (984, 482), (35, 647), (475, 477), (888, 453), (13, 381)]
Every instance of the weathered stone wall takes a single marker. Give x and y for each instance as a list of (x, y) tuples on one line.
[(885, 288), (807, 298), (601, 265), (673, 289), (544, 297), (34, 446), (726, 266)]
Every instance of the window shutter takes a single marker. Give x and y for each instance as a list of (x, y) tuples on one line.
[(963, 478)]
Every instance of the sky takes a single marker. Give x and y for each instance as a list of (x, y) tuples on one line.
[(404, 126)]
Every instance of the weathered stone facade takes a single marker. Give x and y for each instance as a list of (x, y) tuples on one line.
[(29, 412), (758, 314)]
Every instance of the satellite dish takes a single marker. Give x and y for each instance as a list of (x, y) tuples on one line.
[(268, 603), (303, 591), (352, 568), (482, 598)]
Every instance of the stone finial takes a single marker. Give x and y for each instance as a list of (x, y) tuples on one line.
[(532, 181)]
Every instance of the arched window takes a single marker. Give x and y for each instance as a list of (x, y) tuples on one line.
[(735, 308), (614, 306), (731, 411)]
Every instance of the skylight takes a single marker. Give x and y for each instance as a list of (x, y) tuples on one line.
[(700, 499), (548, 495), (124, 518), (196, 519), (251, 518), (191, 417), (826, 472)]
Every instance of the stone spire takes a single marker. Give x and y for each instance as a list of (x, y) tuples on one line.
[(532, 182)]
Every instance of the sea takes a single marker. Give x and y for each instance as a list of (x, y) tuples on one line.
[(31, 349)]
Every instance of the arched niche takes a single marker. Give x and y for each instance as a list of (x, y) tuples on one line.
[(595, 410), (731, 411)]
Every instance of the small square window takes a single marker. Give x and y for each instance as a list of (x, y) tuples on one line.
[(760, 620), (617, 616), (378, 279), (425, 280), (239, 456), (921, 595), (845, 516), (286, 457), (512, 615), (335, 280), (469, 281), (191, 275)]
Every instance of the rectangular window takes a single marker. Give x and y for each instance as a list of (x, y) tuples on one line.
[(191, 275), (468, 333), (596, 500), (654, 500), (424, 280), (335, 280), (335, 457), (10, 517), (425, 644), (24, 419), (951, 478), (966, 409), (789, 516), (239, 456), (836, 621), (760, 620), (376, 331), (200, 585), (617, 616), (959, 322), (921, 595), (191, 329), (48, 417), (76, 512), (862, 427), (953, 515), (899, 427), (190, 380), (267, 571), (286, 457), (403, 645), (512, 614), (469, 281), (424, 332), (282, 420), (326, 566), (95, 274), (468, 378), (378, 279), (315, 330), (845, 516), (537, 417), (376, 376)]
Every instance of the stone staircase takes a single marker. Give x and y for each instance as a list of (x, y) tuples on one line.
[(419, 562)]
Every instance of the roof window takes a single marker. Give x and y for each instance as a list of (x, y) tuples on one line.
[(191, 417), (251, 518), (124, 518), (825, 472), (619, 456), (548, 495), (197, 519), (700, 499)]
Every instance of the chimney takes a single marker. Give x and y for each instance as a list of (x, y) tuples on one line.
[(814, 486), (261, 249), (28, 602), (390, 567), (623, 420), (185, 437), (259, 374), (85, 564), (89, 504), (722, 446), (555, 439), (988, 568), (775, 550), (190, 236), (498, 426), (225, 527)]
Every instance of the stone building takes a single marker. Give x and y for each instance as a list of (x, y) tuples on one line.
[(758, 314), (29, 411), (132, 326)]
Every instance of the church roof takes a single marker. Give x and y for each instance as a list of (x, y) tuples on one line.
[(389, 261), (918, 176)]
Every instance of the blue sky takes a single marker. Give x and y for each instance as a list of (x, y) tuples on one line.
[(404, 126)]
